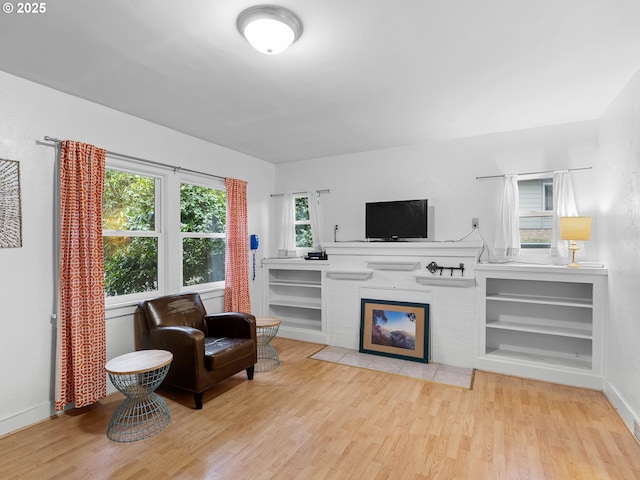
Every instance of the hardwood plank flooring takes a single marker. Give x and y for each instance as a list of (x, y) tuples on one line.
[(317, 420)]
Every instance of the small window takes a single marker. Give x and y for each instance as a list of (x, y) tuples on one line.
[(302, 223), (536, 212), (203, 212), (130, 234)]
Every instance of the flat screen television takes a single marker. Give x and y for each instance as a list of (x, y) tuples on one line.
[(396, 220)]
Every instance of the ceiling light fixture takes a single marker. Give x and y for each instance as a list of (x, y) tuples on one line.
[(268, 28)]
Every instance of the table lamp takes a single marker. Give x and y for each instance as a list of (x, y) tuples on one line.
[(573, 229)]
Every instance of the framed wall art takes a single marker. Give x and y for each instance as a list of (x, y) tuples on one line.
[(395, 329), (10, 212)]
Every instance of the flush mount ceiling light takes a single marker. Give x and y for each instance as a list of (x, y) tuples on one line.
[(268, 28)]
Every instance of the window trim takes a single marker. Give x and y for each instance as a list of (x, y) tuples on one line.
[(159, 185), (198, 181), (301, 251), (541, 248)]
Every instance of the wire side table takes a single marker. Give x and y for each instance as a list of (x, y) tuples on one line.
[(266, 330), (143, 413)]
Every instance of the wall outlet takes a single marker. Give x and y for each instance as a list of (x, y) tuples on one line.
[(475, 223), (636, 429)]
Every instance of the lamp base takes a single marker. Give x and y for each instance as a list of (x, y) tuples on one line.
[(573, 248)]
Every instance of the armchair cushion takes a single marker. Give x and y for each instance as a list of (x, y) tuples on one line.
[(220, 352)]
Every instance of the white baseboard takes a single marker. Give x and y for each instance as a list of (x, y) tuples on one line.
[(302, 334), (25, 418), (625, 412)]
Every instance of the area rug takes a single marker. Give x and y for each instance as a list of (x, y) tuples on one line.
[(433, 372)]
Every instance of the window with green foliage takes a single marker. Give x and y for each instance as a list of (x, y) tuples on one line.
[(130, 235), (162, 232), (302, 223), (202, 226)]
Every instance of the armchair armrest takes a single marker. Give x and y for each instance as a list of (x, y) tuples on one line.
[(186, 343), (231, 325)]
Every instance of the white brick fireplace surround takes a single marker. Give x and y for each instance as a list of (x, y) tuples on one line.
[(398, 271)]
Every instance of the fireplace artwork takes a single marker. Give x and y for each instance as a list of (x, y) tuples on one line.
[(395, 329)]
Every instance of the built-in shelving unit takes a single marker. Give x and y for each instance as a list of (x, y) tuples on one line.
[(294, 295), (542, 322)]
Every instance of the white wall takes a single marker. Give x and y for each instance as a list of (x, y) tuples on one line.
[(618, 192), (28, 113), (445, 174)]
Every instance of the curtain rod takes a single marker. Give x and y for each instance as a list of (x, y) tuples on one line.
[(325, 190), (532, 173), (150, 162)]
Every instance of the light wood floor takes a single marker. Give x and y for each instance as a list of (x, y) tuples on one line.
[(316, 420)]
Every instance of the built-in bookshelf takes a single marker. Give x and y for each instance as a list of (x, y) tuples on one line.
[(542, 322), (294, 295)]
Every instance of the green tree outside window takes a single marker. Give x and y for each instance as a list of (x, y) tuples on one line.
[(130, 256), (203, 225), (303, 223)]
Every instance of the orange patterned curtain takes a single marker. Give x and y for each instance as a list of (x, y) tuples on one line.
[(81, 346), (236, 292)]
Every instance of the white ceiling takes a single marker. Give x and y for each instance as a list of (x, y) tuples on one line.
[(366, 74)]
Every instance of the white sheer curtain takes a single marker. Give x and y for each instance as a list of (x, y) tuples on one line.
[(315, 218), (287, 247), (507, 241), (564, 205)]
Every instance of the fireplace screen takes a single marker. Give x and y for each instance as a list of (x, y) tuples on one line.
[(395, 329)]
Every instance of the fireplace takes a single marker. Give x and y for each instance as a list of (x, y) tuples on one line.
[(397, 272), (395, 329)]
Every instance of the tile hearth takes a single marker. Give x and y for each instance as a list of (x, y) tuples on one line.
[(434, 372)]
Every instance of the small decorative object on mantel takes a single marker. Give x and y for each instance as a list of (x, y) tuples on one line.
[(433, 267), (10, 214)]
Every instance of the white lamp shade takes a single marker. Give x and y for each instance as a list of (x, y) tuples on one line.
[(575, 228), (268, 28), (269, 36)]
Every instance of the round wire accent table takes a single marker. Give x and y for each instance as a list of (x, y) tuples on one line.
[(143, 413), (266, 329)]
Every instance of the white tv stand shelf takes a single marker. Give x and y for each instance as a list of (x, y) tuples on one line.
[(542, 322)]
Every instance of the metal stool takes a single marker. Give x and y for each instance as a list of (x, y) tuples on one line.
[(266, 330)]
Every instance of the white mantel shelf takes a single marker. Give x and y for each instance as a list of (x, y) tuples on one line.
[(296, 262), (349, 274), (391, 265), (536, 268), (427, 279), (440, 249)]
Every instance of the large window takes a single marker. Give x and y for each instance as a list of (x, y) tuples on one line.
[(130, 234), (536, 212), (202, 226), (162, 232)]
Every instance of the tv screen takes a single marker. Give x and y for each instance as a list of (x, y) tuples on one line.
[(396, 220)]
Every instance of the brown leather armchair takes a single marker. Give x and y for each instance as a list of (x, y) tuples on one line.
[(206, 348)]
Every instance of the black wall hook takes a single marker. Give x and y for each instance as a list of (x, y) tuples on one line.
[(433, 267)]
